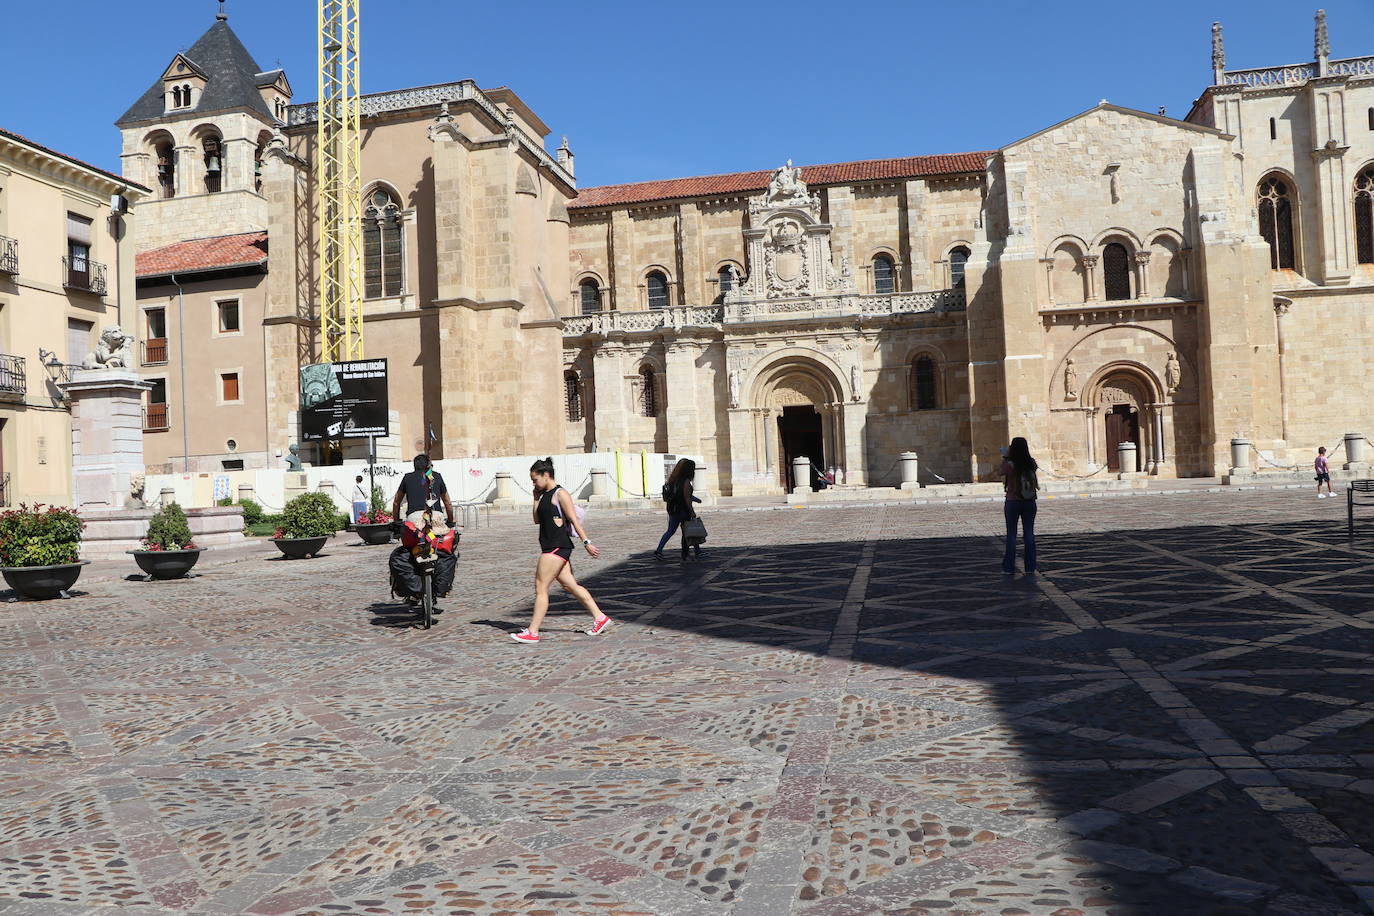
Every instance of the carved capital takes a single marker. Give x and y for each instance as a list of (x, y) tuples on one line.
[(1090, 261), (1142, 257)]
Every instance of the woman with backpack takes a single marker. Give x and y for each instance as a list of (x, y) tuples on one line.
[(554, 513), (678, 499), (1022, 485)]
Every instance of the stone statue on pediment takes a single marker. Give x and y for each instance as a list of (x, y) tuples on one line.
[(786, 187)]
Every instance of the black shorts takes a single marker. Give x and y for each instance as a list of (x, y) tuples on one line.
[(565, 553), (1323, 478)]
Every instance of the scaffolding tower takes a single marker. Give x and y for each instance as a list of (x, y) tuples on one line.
[(339, 182)]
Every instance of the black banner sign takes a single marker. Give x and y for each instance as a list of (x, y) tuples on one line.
[(344, 400)]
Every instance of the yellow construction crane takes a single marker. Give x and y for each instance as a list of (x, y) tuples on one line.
[(339, 182)]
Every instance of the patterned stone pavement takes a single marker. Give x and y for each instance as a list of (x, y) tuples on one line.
[(836, 712)]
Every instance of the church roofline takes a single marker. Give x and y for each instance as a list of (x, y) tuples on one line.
[(739, 183), (508, 96), (1119, 109)]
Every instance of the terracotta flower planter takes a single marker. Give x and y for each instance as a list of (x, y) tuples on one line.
[(167, 564), (300, 548), (379, 533), (42, 582)]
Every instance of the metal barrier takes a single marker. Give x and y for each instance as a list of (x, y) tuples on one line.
[(473, 514)]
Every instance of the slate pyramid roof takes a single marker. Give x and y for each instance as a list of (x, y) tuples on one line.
[(232, 79)]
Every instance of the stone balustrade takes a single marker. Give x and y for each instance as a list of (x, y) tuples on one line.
[(1296, 74), (764, 310)]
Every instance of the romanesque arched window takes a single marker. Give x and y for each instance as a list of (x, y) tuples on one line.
[(1273, 129), (589, 296), (176, 96), (1364, 216), (1116, 271), (648, 392), (263, 139), (382, 260), (212, 150), (884, 275), (1275, 205), (958, 258), (572, 396), (166, 167), (657, 285), (726, 277), (923, 395)]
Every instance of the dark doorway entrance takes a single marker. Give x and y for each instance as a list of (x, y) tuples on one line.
[(799, 431), (1123, 425)]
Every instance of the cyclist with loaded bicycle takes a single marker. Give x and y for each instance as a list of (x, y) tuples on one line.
[(420, 489)]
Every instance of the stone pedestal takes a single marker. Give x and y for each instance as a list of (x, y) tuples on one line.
[(107, 436), (246, 492), (294, 485), (910, 471), (1240, 459), (801, 475)]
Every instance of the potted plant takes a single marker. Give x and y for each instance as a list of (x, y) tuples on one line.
[(374, 525), (168, 550), (306, 523), (40, 550)]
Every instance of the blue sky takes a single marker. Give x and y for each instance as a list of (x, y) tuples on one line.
[(660, 90)]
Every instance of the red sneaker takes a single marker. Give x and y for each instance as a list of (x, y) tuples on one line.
[(525, 636), (600, 627)]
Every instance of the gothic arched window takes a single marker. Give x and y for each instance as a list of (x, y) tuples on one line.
[(1275, 200), (958, 257), (589, 296), (214, 161), (884, 275), (658, 293), (648, 393), (1364, 216), (382, 261), (1116, 271), (572, 396), (923, 383)]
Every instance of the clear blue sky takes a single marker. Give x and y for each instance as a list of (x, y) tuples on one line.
[(660, 90)]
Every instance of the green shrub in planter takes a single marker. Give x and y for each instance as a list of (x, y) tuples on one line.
[(169, 530), (41, 536), (310, 515), (378, 506), (253, 512)]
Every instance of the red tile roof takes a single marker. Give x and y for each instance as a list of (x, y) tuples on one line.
[(247, 249), (20, 138), (741, 182)]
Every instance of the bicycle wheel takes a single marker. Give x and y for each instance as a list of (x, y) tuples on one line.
[(427, 600)]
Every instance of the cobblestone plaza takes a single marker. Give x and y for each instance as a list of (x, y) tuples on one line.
[(836, 711)]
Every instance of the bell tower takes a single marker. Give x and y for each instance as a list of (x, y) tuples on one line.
[(197, 138)]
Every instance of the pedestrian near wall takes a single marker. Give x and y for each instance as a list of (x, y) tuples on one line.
[(361, 499), (1021, 483), (678, 499), (1323, 469)]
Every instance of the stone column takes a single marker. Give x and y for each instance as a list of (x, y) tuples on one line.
[(107, 435), (855, 444), (1049, 280), (612, 403), (1090, 268), (189, 167), (1142, 274)]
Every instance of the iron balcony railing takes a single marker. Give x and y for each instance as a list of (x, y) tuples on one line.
[(13, 381), (155, 418), (154, 351), (9, 255), (84, 274)]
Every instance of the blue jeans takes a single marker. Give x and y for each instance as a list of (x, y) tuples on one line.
[(1023, 509), (674, 521)]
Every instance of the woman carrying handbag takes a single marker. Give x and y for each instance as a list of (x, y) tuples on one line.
[(678, 499)]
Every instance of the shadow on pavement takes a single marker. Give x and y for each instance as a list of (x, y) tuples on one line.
[(1195, 704)]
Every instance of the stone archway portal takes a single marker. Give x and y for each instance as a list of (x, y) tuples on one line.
[(800, 433)]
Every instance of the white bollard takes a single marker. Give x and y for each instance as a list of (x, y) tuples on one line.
[(166, 496), (601, 485), (1354, 451), (801, 474), (1240, 454), (505, 490), (1126, 460), (911, 471)]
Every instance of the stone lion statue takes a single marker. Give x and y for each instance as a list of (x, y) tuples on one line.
[(112, 352), (137, 483)]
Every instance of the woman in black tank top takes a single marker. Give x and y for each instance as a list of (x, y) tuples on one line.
[(555, 514)]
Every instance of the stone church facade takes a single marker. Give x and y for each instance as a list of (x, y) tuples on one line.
[(1121, 276)]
